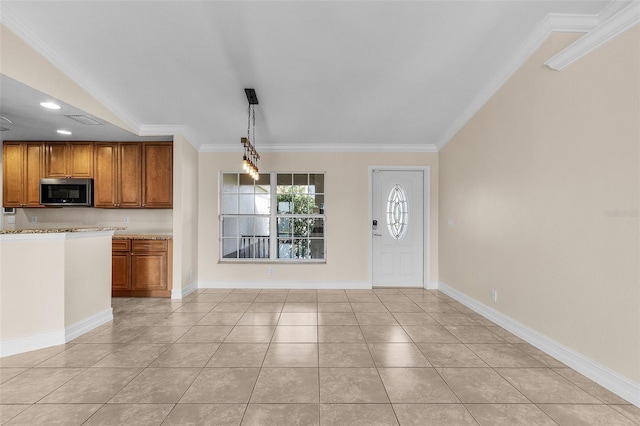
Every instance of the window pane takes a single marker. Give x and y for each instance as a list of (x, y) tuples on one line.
[(319, 204), (246, 226), (301, 249), (263, 204), (262, 226), (302, 227), (285, 202), (285, 226), (229, 227), (229, 204), (246, 204), (317, 249), (318, 228), (254, 247), (301, 179), (285, 249), (284, 179), (230, 248), (317, 181), (230, 182), (246, 184)]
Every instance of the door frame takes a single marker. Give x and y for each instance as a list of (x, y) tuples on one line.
[(426, 238)]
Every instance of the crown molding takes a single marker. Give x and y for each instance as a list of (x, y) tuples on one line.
[(14, 23), (551, 23), (622, 21), (323, 148)]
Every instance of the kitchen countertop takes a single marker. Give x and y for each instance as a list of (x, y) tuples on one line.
[(143, 237), (59, 230)]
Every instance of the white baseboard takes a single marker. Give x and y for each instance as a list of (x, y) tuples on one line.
[(56, 337), (31, 343), (620, 385), (79, 328), (310, 285), (178, 293), (431, 285)]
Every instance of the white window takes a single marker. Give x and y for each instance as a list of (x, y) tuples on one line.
[(397, 212), (289, 206)]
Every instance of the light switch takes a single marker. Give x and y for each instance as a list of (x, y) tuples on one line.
[(11, 220), (451, 222)]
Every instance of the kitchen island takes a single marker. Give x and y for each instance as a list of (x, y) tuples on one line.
[(55, 285)]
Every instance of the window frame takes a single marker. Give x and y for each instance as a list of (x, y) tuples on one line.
[(273, 217)]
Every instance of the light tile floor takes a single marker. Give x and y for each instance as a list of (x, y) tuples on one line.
[(303, 357)]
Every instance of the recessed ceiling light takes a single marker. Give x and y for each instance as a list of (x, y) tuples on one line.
[(64, 132), (50, 105)]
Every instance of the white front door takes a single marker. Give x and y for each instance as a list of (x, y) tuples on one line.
[(398, 228)]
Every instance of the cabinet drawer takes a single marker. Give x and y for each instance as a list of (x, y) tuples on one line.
[(149, 245), (120, 245)]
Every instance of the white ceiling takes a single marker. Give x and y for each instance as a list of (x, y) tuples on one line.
[(348, 75)]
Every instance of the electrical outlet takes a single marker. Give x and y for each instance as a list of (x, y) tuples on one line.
[(34, 219), (190, 273), (451, 222), (125, 219), (494, 295), (11, 220), (270, 271)]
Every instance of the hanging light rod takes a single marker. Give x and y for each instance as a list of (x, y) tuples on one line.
[(252, 98)]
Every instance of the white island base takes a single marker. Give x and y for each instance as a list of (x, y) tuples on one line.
[(54, 286)]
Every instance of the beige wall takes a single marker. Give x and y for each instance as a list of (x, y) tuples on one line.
[(535, 182), (87, 276), (347, 208), (185, 210)]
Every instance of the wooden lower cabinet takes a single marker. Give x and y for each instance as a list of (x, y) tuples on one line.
[(141, 268)]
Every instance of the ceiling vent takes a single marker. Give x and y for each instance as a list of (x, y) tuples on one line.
[(85, 120)]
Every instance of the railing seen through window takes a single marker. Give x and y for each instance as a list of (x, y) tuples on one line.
[(288, 206)]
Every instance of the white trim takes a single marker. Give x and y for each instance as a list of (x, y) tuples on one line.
[(391, 147), (56, 337), (431, 285), (551, 23), (604, 376), (611, 28), (178, 293), (426, 213), (31, 343), (161, 129), (81, 327), (311, 285)]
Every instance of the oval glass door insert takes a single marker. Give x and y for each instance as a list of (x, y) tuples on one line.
[(397, 212)]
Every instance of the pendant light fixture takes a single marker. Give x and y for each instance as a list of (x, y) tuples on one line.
[(250, 157)]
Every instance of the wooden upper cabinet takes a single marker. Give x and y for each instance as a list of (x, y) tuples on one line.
[(118, 176), (130, 175), (69, 159), (157, 172), (21, 172)]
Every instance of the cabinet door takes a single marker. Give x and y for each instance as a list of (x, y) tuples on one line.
[(121, 270), (80, 161), (105, 175), (33, 153), (55, 161), (130, 175), (12, 174), (149, 270), (158, 175)]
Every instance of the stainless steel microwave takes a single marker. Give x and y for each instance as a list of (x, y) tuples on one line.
[(66, 192)]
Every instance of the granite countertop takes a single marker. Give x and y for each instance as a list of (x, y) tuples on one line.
[(143, 237), (59, 230)]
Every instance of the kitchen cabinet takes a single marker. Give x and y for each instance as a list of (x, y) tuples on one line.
[(157, 170), (22, 164), (141, 267), (118, 175), (68, 159), (133, 175)]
